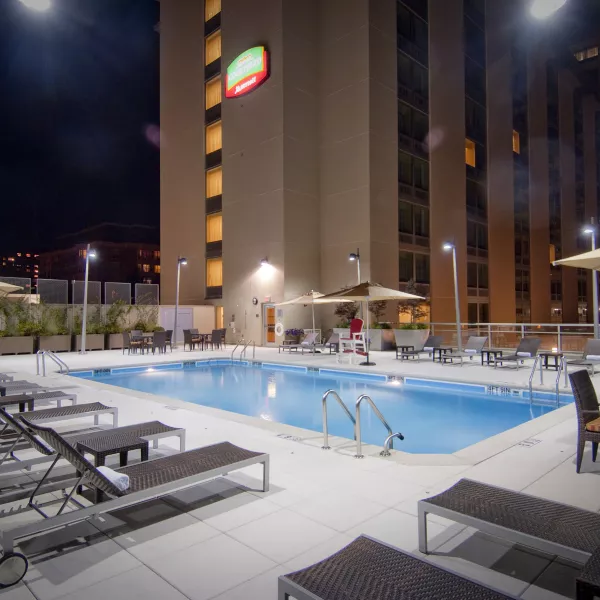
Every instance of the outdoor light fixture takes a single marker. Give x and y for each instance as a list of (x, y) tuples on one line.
[(89, 253), (264, 262), (591, 231), (449, 247), (355, 256), (39, 5), (180, 261), (542, 9)]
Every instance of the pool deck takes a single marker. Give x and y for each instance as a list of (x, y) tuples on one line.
[(226, 541)]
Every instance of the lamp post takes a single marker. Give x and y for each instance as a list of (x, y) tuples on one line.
[(591, 231), (447, 248), (355, 256), (89, 253), (39, 5), (180, 261), (543, 9)]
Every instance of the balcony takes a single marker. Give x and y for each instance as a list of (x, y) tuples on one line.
[(214, 293)]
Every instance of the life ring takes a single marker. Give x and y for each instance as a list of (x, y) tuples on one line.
[(279, 329)]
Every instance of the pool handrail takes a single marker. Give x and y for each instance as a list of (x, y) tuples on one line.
[(326, 395), (358, 433)]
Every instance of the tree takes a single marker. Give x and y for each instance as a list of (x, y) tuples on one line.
[(346, 311), (377, 309), (416, 309)]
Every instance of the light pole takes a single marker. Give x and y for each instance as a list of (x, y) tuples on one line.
[(591, 231), (451, 247), (180, 261), (89, 253), (355, 256), (543, 9), (39, 5)]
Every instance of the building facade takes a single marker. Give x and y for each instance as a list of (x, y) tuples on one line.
[(20, 265), (385, 125)]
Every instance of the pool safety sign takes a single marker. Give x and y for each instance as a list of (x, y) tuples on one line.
[(248, 71)]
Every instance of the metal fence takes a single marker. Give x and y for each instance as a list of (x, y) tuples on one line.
[(117, 292), (53, 291), (147, 293), (94, 292)]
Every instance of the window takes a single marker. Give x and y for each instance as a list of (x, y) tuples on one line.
[(470, 152), (405, 174), (404, 119), (420, 126), (552, 253), (482, 276), (156, 254), (82, 254), (516, 142), (421, 174), (421, 268), (214, 182), (471, 274), (482, 237), (219, 317), (406, 266), (157, 269), (214, 272), (471, 234), (146, 268), (212, 47), (211, 8), (405, 217), (214, 228), (213, 93), (421, 221), (585, 54), (214, 137)]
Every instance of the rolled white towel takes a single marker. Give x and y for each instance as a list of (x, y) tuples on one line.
[(593, 357), (524, 354), (120, 480), (470, 351)]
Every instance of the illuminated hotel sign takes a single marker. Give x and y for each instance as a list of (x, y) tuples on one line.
[(249, 70)]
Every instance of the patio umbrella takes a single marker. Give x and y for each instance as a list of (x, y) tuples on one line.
[(8, 288), (370, 292)]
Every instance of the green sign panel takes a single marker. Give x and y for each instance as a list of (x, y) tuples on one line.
[(249, 70)]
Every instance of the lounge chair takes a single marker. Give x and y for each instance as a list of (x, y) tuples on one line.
[(550, 527), (526, 350), (20, 387), (590, 357), (307, 343), (430, 344), (588, 414), (473, 348), (5, 377), (331, 342), (25, 439), (29, 399), (147, 481), (367, 569), (93, 409)]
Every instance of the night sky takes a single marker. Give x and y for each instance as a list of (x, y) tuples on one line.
[(79, 112)]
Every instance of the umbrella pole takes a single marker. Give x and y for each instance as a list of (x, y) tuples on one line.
[(313, 317), (367, 363)]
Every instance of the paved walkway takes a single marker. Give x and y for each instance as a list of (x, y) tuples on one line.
[(226, 541)]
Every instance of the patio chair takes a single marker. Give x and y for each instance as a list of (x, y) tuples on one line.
[(550, 527), (25, 439), (590, 357), (473, 348), (588, 414), (159, 341), (190, 340), (355, 344), (307, 343), (130, 344), (146, 481), (526, 350), (368, 569), (169, 341), (432, 342), (223, 331)]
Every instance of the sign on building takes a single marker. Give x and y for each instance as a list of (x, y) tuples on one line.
[(248, 71)]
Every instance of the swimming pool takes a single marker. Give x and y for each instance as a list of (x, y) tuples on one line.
[(435, 417)]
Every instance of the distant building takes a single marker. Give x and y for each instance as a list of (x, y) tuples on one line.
[(20, 264), (126, 254)]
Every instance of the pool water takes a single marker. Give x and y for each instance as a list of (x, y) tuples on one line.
[(437, 420)]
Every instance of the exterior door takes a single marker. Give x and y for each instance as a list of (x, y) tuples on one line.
[(269, 336)]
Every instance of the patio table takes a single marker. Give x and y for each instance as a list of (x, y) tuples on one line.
[(488, 353)]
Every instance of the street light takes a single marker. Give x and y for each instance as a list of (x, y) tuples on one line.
[(180, 261), (591, 231), (449, 247), (89, 253), (355, 256), (39, 5), (543, 9)]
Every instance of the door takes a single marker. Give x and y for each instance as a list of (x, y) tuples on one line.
[(185, 320), (269, 322)]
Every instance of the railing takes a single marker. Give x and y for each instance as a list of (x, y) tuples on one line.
[(243, 352), (43, 353), (562, 366), (389, 441), (233, 351), (326, 395)]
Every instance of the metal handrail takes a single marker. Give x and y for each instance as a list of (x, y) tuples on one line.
[(333, 393), (43, 353), (243, 352), (233, 351), (358, 433), (531, 375), (388, 441), (559, 370)]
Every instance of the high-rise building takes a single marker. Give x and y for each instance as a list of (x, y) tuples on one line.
[(391, 126)]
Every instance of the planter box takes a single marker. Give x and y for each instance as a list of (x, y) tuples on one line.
[(410, 337), (343, 332), (21, 344), (113, 341), (55, 343), (381, 339), (94, 341)]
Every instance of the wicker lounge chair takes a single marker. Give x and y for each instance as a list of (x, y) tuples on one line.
[(151, 431), (590, 357), (473, 348), (147, 481), (547, 526), (159, 341), (588, 414), (58, 395), (20, 387), (367, 569), (307, 343), (93, 409), (5, 377), (433, 341), (526, 350)]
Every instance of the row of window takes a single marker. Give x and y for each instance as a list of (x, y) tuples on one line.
[(413, 219), (212, 47), (587, 53), (148, 268), (477, 275), (414, 266), (413, 171)]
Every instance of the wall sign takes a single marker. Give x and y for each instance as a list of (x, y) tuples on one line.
[(249, 70)]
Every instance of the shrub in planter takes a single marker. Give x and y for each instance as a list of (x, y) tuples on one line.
[(294, 334)]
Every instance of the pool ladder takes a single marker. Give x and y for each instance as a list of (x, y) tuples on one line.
[(43, 353), (244, 349), (562, 366), (389, 440)]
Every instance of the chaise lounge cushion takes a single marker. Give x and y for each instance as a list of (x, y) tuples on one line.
[(593, 425)]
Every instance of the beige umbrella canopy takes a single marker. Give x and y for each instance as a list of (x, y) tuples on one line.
[(8, 288), (369, 292), (311, 298), (587, 260)]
